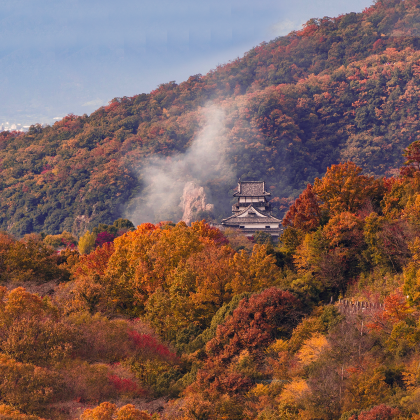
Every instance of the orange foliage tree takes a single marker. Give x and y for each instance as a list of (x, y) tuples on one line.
[(172, 275), (343, 188), (109, 411)]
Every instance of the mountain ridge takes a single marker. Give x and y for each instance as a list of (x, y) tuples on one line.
[(340, 89)]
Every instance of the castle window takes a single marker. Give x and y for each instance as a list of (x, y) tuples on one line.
[(267, 227), (241, 227)]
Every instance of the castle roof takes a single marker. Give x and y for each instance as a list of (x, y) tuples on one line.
[(259, 217), (251, 189)]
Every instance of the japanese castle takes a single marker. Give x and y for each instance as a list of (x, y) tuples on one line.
[(252, 211)]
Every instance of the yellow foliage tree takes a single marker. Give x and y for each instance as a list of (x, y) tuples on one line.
[(256, 272), (105, 411), (109, 411), (295, 391), (29, 259), (366, 388), (308, 255), (62, 240), (411, 212), (129, 412), (411, 286), (87, 243), (26, 386), (312, 349), (30, 328), (10, 413)]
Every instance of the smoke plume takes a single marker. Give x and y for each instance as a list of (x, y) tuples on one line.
[(164, 178)]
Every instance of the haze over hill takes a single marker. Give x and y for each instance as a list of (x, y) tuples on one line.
[(342, 88)]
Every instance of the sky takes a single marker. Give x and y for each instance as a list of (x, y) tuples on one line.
[(72, 56)]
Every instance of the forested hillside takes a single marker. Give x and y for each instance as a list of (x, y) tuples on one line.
[(344, 88), (169, 321), (100, 319)]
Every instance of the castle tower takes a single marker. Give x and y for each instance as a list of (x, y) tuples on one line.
[(252, 211)]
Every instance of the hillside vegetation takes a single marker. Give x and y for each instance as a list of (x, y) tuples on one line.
[(344, 88), (100, 319), (169, 321)]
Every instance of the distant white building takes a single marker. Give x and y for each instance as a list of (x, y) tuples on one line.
[(252, 211)]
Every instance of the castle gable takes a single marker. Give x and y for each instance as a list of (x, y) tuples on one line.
[(250, 211), (251, 216)]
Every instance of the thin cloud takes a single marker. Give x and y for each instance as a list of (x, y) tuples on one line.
[(284, 27), (95, 102)]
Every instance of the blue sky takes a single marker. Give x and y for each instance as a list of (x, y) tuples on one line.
[(59, 57)]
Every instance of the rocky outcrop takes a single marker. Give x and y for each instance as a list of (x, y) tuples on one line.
[(80, 225), (194, 200)]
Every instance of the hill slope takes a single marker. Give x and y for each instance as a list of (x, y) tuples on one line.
[(343, 88)]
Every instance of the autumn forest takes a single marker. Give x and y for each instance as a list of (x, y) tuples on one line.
[(103, 317)]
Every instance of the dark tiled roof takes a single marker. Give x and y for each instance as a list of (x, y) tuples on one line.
[(254, 203), (264, 218), (251, 189), (258, 220), (241, 206)]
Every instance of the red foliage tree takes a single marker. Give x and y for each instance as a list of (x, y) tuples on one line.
[(255, 323), (103, 238), (150, 347), (240, 341), (380, 412), (126, 386), (96, 262), (304, 213)]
